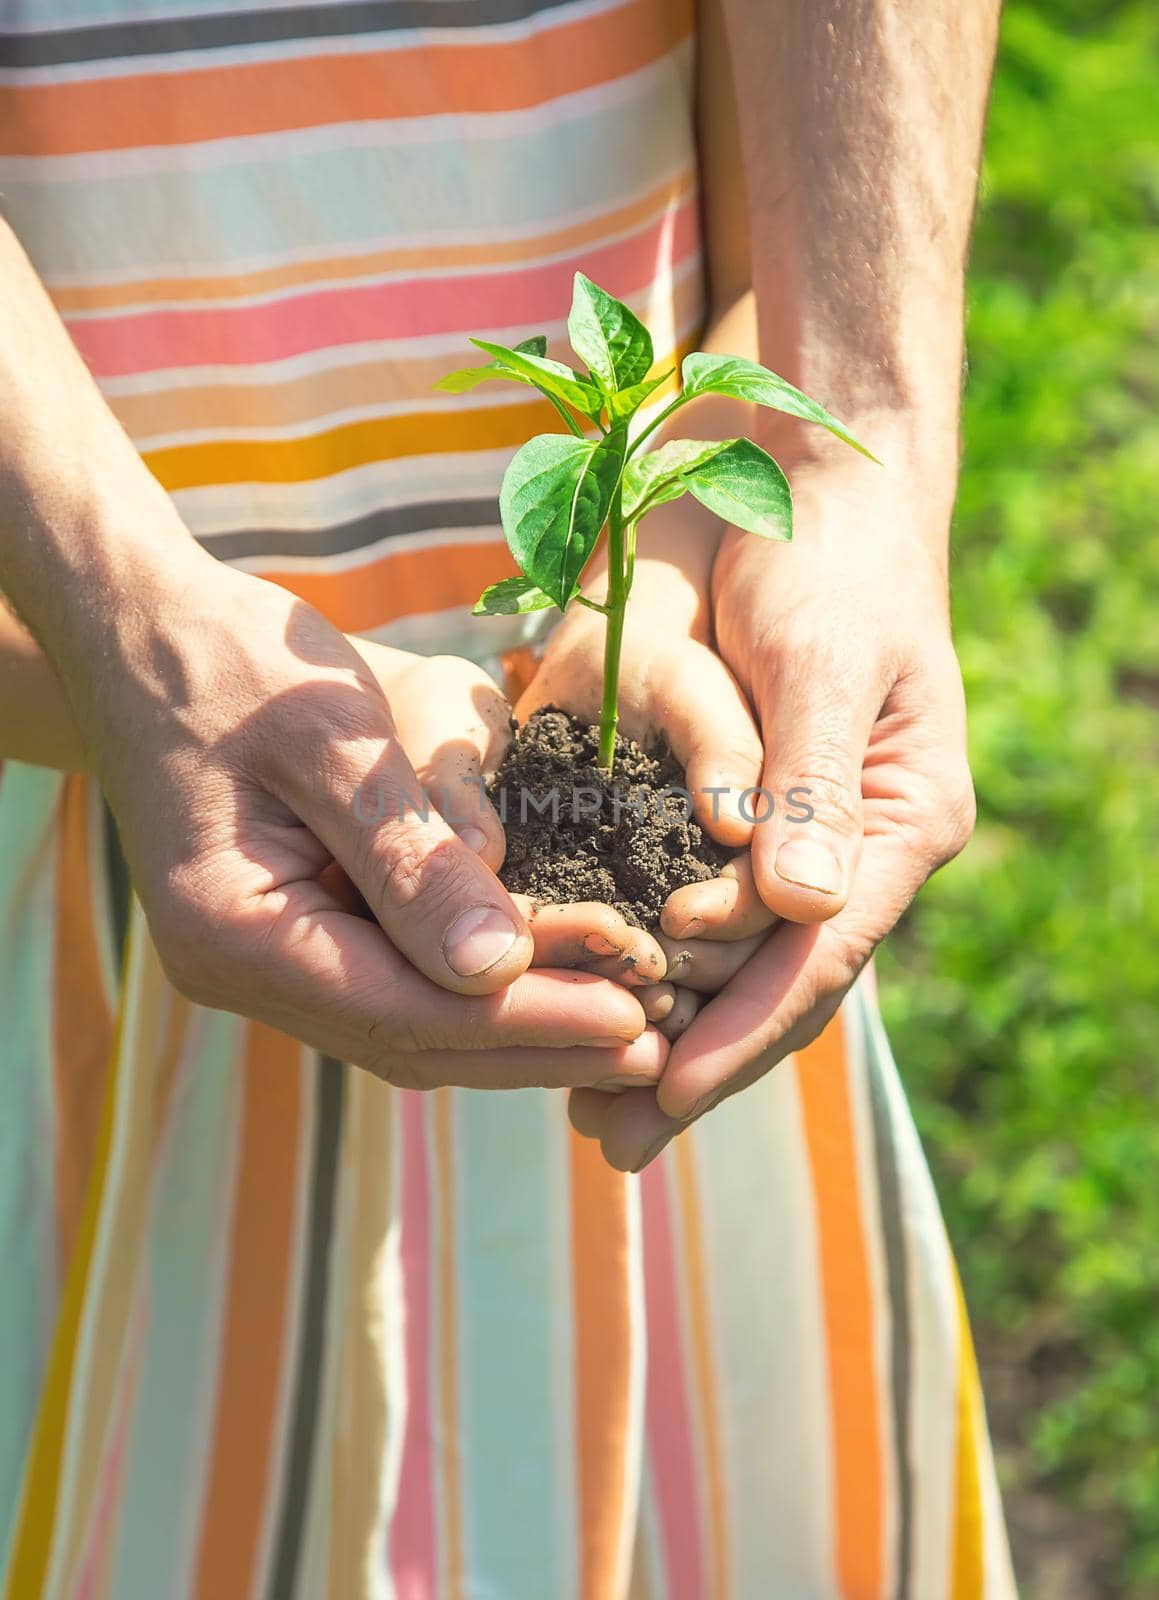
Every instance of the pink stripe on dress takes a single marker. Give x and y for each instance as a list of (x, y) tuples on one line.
[(240, 335), (668, 1420)]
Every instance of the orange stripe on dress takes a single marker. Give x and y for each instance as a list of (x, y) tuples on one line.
[(82, 1023), (356, 444), (316, 90), (710, 1454), (850, 1320), (255, 1357), (401, 584), (601, 1294)]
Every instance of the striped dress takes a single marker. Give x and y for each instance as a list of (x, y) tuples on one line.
[(270, 1330)]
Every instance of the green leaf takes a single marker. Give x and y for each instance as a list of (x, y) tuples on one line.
[(511, 597), (470, 377), (660, 475), (611, 339), (526, 363), (552, 377), (745, 380), (624, 405), (553, 502), (744, 485)]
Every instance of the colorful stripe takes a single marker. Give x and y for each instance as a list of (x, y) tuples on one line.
[(967, 1563), (259, 1290), (857, 1450), (413, 1552), (604, 1358), (248, 99), (82, 1018)]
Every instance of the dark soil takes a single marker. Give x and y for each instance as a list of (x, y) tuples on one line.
[(619, 839)]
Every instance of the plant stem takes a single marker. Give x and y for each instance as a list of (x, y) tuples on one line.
[(567, 416), (614, 637), (662, 416)]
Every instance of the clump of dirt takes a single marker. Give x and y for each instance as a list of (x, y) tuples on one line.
[(576, 833)]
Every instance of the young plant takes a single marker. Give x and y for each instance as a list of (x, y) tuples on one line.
[(561, 491)]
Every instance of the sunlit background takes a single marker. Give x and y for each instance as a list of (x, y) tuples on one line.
[(1021, 992)]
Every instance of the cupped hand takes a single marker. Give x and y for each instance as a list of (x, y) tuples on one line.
[(673, 686), (251, 758), (842, 642)]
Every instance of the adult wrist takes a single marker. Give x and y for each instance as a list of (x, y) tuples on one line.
[(86, 560)]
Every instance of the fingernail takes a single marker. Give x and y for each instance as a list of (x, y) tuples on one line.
[(699, 1107), (810, 866), (657, 1007), (474, 838), (690, 929), (608, 1041), (478, 939), (619, 1083), (599, 946), (652, 1152)]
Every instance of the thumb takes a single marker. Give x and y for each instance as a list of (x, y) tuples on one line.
[(439, 904), (808, 839)]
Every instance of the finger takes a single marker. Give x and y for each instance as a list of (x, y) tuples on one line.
[(455, 725), (708, 724), (657, 1001), (816, 722), (625, 971), (727, 907), (587, 1111), (437, 901), (687, 1003), (793, 983), (592, 935), (335, 981), (629, 1069), (706, 965), (635, 1130)]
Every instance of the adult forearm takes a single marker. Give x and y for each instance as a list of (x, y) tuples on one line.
[(860, 124), (82, 521)]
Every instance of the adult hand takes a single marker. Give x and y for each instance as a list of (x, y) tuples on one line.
[(248, 751), (842, 642)]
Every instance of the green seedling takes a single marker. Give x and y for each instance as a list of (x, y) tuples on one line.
[(562, 490)]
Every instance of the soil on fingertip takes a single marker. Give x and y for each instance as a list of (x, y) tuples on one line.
[(576, 833)]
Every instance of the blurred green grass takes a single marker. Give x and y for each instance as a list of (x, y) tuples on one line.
[(1021, 990)]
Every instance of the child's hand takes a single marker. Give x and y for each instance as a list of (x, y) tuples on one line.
[(673, 685), (454, 724)]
